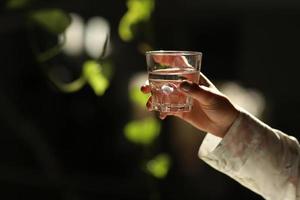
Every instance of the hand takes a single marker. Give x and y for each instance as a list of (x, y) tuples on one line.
[(212, 111)]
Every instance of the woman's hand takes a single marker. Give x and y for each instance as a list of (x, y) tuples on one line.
[(212, 111)]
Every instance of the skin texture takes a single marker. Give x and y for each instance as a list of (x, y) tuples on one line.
[(212, 111)]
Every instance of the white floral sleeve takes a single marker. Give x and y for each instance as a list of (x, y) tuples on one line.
[(262, 159)]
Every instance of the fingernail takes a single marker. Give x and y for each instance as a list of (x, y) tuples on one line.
[(148, 105), (143, 88), (162, 117), (185, 86)]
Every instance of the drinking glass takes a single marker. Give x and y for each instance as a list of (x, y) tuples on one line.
[(166, 70)]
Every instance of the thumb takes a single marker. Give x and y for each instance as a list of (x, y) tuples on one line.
[(204, 95)]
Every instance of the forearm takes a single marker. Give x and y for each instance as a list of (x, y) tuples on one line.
[(261, 158)]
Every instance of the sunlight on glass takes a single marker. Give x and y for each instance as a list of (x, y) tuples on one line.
[(93, 74), (138, 11), (53, 20), (159, 166), (248, 98), (97, 31), (15, 4), (74, 34), (142, 132)]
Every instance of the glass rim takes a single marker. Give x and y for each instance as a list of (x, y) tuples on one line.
[(174, 52)]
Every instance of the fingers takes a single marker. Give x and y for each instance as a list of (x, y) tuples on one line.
[(204, 95), (149, 104), (146, 89), (205, 81), (171, 60), (161, 115)]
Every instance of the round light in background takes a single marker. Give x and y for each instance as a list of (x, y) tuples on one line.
[(74, 35), (249, 98), (96, 33)]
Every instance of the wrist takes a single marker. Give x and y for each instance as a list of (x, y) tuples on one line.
[(235, 114), (232, 115)]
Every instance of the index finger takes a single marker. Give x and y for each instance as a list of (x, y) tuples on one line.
[(206, 82), (171, 60)]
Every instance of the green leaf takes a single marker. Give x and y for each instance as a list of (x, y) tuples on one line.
[(73, 86), (17, 4), (53, 20), (138, 11), (51, 52), (142, 132), (107, 69), (138, 97), (93, 74), (159, 166)]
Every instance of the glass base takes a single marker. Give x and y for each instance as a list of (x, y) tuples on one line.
[(172, 108)]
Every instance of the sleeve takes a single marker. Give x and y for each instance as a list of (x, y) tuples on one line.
[(260, 158)]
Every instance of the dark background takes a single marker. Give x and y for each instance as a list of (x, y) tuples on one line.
[(71, 146)]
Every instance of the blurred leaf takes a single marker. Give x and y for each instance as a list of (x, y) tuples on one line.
[(142, 132), (17, 4), (144, 47), (53, 20), (74, 86), (138, 97), (92, 72), (51, 52), (107, 69), (159, 166), (138, 11), (125, 30)]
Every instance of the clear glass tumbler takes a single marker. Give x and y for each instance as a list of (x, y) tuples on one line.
[(166, 70)]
